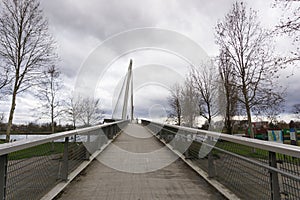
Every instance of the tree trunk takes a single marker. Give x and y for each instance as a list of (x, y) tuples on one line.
[(209, 115), (74, 124), (228, 115), (11, 116), (52, 120), (178, 112), (247, 107), (52, 127), (249, 121)]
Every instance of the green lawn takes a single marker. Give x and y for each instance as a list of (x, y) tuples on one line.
[(242, 150), (40, 150), (289, 142)]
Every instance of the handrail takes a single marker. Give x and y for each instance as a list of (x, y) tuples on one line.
[(7, 148), (265, 145)]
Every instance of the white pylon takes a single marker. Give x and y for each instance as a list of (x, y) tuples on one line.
[(129, 82)]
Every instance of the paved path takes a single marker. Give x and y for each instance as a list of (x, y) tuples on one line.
[(174, 181)]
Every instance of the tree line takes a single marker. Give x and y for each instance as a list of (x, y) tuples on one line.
[(243, 78), (28, 63)]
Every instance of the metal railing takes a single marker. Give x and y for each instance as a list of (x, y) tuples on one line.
[(31, 168), (250, 168)]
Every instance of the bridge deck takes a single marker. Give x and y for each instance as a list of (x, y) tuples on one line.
[(174, 181)]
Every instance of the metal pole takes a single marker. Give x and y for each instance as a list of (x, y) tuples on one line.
[(275, 189), (3, 176)]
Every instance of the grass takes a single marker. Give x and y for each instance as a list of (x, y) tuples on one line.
[(289, 142), (40, 150), (243, 150), (257, 154)]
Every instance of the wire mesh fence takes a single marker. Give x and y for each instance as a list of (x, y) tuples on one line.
[(31, 168), (32, 171), (251, 169)]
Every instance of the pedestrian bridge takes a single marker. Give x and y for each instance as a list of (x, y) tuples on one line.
[(123, 160), (175, 181)]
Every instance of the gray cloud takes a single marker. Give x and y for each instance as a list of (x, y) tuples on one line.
[(80, 26)]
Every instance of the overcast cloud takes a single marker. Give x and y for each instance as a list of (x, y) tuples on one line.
[(81, 26)]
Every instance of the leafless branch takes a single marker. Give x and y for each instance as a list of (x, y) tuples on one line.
[(26, 47)]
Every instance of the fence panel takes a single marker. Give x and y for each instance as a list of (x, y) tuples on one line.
[(31, 168), (250, 168)]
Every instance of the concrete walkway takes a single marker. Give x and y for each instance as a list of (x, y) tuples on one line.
[(138, 175)]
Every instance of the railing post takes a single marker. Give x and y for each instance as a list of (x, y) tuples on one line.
[(210, 156), (114, 131), (211, 165), (87, 153), (275, 189), (100, 138), (3, 176), (65, 160), (187, 150), (110, 132), (105, 134)]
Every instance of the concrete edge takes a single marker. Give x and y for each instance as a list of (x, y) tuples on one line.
[(62, 185), (217, 185)]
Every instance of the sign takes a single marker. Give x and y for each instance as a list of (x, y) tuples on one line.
[(275, 136), (293, 134)]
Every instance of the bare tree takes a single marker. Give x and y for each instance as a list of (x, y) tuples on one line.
[(90, 111), (290, 24), (249, 47), (4, 80), (189, 103), (48, 93), (204, 82), (296, 110), (1, 117), (174, 101), (73, 108), (273, 111), (25, 46), (230, 92), (272, 104)]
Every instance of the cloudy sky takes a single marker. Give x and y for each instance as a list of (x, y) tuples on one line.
[(82, 27)]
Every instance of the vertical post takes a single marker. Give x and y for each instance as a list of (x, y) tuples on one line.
[(105, 135), (87, 153), (3, 176), (65, 160), (100, 138), (110, 132), (275, 190), (187, 151), (211, 165)]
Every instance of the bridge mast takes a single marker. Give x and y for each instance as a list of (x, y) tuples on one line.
[(129, 82), (131, 98)]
